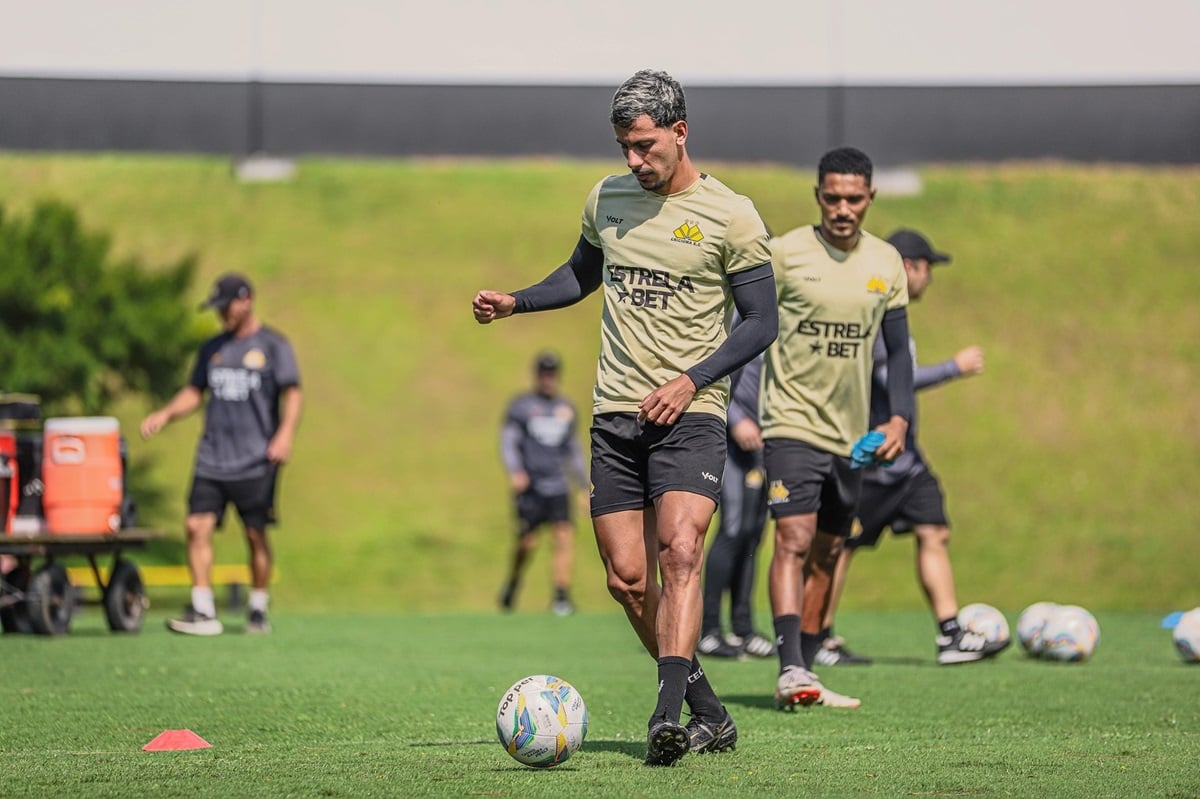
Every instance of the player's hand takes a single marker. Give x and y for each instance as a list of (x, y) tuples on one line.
[(894, 431), (279, 449), (489, 306), (747, 435), (519, 481), (665, 404), (154, 422), (969, 361)]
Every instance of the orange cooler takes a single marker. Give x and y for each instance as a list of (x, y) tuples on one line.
[(9, 479), (81, 472)]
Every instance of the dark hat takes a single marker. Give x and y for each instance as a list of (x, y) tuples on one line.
[(548, 362), (912, 244), (228, 288)]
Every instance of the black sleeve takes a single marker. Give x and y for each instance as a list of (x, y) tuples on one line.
[(899, 363), (578, 277), (754, 297)]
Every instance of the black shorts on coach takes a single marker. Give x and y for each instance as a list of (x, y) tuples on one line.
[(254, 499), (534, 510), (917, 499)]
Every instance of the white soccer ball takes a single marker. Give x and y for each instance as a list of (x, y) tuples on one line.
[(984, 620), (541, 721), (1070, 634), (1030, 624), (1187, 636)]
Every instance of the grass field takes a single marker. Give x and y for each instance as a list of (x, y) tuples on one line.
[(1070, 466), (336, 705)]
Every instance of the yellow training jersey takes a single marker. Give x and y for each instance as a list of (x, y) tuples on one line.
[(817, 374), (667, 304)]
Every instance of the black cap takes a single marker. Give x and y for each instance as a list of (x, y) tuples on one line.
[(228, 288), (547, 362), (912, 244)]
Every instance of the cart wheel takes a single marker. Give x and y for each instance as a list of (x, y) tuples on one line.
[(125, 598), (50, 600), (13, 615)]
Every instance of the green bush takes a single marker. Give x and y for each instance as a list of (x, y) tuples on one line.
[(79, 328)]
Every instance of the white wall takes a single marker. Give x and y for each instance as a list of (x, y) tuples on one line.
[(713, 42)]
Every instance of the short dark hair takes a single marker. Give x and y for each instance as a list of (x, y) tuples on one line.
[(845, 161), (653, 93)]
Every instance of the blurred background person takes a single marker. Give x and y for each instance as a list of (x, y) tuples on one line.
[(731, 564), (542, 456), (906, 495)]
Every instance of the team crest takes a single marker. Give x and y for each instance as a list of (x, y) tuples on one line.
[(755, 478), (254, 359), (876, 285), (777, 493), (688, 231)]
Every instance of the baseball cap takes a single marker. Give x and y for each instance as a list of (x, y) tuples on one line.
[(548, 362), (228, 288), (912, 244)]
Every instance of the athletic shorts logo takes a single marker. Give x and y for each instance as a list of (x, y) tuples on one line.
[(876, 285), (709, 476), (777, 493), (755, 478), (688, 233)]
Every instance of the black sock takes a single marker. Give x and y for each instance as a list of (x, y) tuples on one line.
[(561, 595), (700, 696), (787, 638), (949, 627), (826, 634), (672, 683), (810, 644)]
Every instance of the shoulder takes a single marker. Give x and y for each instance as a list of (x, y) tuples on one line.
[(214, 344), (797, 240), (880, 250)]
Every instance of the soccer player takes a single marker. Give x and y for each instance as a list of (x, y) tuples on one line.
[(675, 251), (541, 455), (249, 372), (906, 495), (838, 287)]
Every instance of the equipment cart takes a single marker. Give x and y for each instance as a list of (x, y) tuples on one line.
[(41, 600)]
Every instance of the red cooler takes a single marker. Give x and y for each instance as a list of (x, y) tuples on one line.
[(10, 481), (82, 474)]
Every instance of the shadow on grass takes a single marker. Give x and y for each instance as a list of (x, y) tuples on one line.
[(633, 749)]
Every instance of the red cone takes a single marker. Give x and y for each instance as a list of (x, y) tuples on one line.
[(171, 740)]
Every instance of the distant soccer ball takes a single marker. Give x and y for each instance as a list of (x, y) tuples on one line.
[(541, 721), (1187, 636), (1071, 634), (985, 620), (1030, 624)]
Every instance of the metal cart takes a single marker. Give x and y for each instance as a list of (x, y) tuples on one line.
[(41, 600)]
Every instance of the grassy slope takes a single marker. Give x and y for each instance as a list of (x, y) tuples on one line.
[(1071, 465)]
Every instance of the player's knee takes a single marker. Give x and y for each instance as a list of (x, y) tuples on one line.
[(629, 591), (930, 536)]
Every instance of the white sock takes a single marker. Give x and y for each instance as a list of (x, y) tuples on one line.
[(258, 599), (203, 602)]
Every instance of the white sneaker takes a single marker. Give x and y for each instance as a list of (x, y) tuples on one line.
[(798, 686), (194, 623)]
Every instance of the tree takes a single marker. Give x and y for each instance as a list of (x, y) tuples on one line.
[(77, 328)]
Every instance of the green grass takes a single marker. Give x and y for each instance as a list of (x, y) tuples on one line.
[(337, 705), (1070, 465)]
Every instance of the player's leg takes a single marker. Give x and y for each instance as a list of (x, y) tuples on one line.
[(255, 503), (526, 509), (627, 545), (206, 507), (751, 521), (934, 571), (721, 562), (833, 651), (562, 561)]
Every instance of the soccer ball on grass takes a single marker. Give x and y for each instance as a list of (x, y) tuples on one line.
[(985, 620), (1030, 624), (1071, 633), (541, 720), (1187, 636)]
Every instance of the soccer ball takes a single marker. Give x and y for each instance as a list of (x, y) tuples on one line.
[(985, 620), (1187, 636), (541, 720), (1030, 624), (1071, 634)]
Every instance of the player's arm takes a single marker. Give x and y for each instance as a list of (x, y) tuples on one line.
[(894, 332), (185, 401), (578, 277), (511, 434), (291, 403), (754, 297), (743, 406)]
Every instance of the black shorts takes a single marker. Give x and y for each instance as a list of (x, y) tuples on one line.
[(635, 462), (534, 510), (917, 499), (253, 498), (803, 479)]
